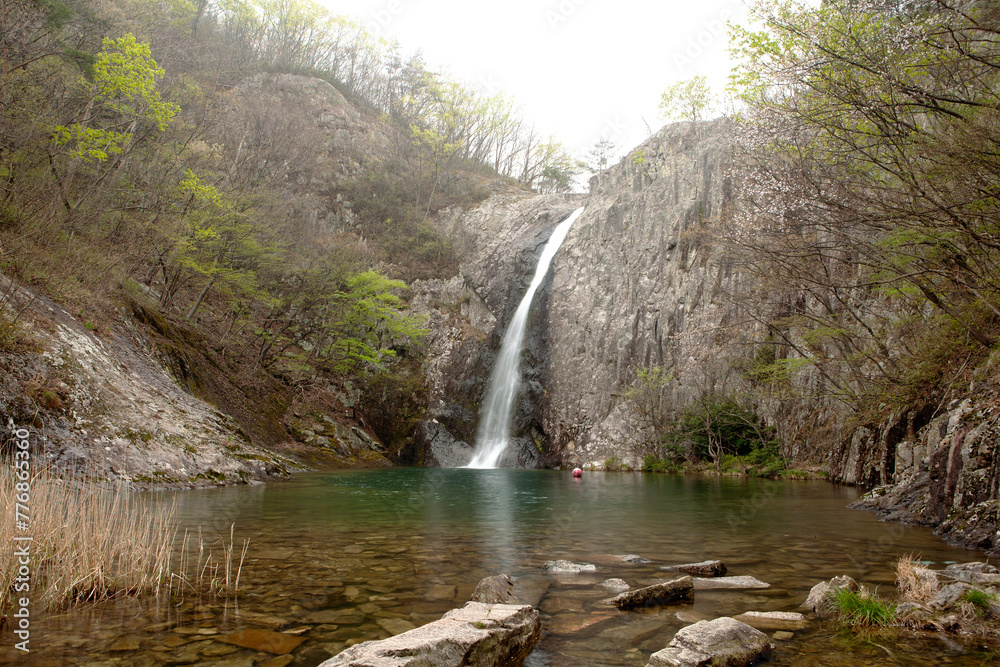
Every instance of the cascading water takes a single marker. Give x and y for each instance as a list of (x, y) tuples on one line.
[(501, 392)]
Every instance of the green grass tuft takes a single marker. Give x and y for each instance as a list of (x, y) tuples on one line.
[(862, 610)]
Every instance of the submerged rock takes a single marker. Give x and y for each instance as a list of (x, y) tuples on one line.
[(633, 558), (706, 568), (615, 584), (568, 567), (657, 594), (477, 635), (725, 583), (263, 640), (724, 642)]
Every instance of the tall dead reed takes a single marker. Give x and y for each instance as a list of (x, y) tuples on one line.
[(94, 541)]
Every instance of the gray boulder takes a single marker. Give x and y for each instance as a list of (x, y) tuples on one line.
[(494, 590), (949, 595), (616, 584), (724, 642), (657, 594), (442, 449), (706, 568), (817, 601), (477, 635)]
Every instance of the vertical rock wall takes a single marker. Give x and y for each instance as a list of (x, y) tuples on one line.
[(636, 286)]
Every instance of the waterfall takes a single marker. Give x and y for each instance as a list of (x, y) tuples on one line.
[(501, 392)]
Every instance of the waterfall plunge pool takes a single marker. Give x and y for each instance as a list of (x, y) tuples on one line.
[(358, 555)]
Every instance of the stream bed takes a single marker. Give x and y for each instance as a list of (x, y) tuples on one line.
[(350, 556)]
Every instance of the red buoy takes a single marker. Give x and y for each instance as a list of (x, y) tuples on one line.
[(577, 472)]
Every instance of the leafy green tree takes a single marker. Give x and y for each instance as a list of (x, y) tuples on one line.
[(690, 99), (369, 323), (869, 188)]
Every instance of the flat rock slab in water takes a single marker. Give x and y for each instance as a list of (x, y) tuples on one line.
[(724, 641), (773, 620), (657, 594), (706, 568), (728, 583), (568, 567), (263, 640), (476, 634)]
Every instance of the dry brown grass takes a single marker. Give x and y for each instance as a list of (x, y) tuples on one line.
[(912, 586), (201, 571), (94, 541)]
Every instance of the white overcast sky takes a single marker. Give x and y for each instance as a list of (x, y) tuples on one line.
[(582, 69)]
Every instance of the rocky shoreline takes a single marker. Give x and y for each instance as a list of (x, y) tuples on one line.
[(500, 625)]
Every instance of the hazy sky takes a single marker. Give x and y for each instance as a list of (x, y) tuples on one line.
[(582, 69)]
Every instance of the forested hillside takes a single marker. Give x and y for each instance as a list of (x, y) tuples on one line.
[(253, 181)]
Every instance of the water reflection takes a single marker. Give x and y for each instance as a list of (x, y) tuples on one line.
[(363, 554)]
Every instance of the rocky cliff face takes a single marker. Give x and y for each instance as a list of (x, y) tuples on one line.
[(633, 286), (509, 231), (636, 285)]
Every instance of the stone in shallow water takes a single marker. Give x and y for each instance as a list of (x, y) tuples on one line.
[(724, 583), (477, 634), (127, 644), (280, 661), (633, 558), (196, 631), (395, 626), (564, 624), (817, 602), (706, 568), (336, 617), (175, 641), (216, 650), (616, 584), (568, 567), (657, 594), (783, 635), (498, 589), (441, 593), (724, 641), (264, 640), (773, 620)]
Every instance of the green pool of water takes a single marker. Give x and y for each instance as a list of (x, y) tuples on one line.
[(357, 555)]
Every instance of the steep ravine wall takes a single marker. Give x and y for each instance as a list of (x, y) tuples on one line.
[(509, 231), (636, 285)]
